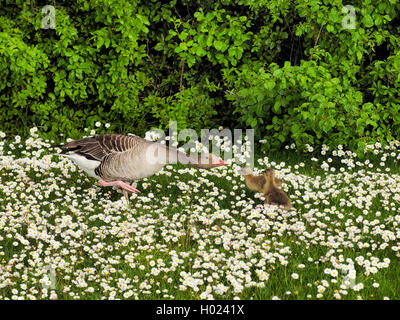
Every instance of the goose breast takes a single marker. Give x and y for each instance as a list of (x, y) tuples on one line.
[(129, 165)]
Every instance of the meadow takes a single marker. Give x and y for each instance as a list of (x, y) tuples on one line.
[(200, 234)]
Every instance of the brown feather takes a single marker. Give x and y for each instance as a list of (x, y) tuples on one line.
[(101, 145), (257, 183), (273, 195)]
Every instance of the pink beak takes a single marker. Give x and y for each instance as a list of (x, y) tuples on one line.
[(222, 163)]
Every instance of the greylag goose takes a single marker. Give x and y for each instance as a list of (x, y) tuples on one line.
[(117, 159)]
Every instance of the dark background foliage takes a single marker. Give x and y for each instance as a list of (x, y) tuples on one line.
[(286, 68)]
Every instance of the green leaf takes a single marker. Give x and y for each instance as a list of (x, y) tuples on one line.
[(219, 45), (277, 106), (269, 84), (368, 21), (100, 42)]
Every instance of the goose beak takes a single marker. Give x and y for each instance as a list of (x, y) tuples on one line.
[(212, 162), (222, 163)]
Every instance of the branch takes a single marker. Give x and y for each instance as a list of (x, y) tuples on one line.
[(316, 40), (233, 93), (181, 77)]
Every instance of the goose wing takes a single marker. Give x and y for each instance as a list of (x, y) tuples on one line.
[(97, 147)]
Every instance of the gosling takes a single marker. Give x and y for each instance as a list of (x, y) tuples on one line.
[(256, 183), (273, 194), (267, 184)]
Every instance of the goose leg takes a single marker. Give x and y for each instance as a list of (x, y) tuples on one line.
[(119, 183)]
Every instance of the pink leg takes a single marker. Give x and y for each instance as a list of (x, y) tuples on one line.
[(120, 184)]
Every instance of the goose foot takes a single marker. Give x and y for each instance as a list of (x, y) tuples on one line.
[(125, 187)]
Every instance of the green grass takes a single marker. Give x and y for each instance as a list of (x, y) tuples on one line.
[(155, 241)]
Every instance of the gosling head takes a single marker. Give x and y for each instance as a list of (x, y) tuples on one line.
[(269, 173)]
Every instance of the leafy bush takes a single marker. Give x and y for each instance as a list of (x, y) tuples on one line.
[(289, 69), (23, 80), (302, 103), (344, 90)]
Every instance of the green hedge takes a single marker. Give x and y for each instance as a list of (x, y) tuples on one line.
[(286, 68)]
